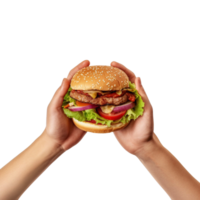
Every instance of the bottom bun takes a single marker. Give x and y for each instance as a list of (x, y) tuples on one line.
[(95, 128)]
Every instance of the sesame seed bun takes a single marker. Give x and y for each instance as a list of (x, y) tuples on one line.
[(104, 78)]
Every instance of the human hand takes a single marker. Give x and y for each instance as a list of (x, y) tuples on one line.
[(138, 133), (59, 127)]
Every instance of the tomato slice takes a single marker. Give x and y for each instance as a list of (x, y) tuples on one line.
[(66, 106), (112, 115), (78, 103)]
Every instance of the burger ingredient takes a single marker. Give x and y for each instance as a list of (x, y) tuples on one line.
[(78, 103), (68, 105), (81, 108), (119, 92), (114, 122), (114, 94), (93, 94), (107, 109), (123, 107), (131, 97), (94, 122), (91, 114), (111, 116), (98, 93), (102, 100)]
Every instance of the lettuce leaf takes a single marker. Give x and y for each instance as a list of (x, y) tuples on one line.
[(90, 114)]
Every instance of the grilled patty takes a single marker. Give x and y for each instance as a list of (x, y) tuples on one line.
[(99, 100)]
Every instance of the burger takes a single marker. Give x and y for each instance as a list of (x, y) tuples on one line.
[(101, 99)]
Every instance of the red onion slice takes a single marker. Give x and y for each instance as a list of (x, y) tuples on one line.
[(120, 108), (125, 106), (81, 108)]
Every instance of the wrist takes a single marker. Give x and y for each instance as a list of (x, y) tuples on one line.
[(49, 147), (149, 148)]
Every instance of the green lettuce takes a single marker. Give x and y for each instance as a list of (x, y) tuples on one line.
[(90, 114)]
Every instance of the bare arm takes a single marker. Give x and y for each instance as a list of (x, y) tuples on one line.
[(168, 172), (59, 136), (140, 140), (20, 173)]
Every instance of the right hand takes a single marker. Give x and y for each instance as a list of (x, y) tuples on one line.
[(139, 132)]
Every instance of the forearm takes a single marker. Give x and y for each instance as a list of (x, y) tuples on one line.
[(168, 172), (18, 174)]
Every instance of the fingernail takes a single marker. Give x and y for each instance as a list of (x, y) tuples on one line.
[(140, 81), (63, 81)]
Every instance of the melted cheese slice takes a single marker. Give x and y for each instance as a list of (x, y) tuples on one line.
[(93, 94), (107, 109), (119, 92)]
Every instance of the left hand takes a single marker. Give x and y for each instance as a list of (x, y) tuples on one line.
[(59, 127), (138, 133)]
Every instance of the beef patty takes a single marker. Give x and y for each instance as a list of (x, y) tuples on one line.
[(99, 100)]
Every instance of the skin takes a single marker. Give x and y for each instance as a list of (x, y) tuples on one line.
[(130, 138), (139, 139), (58, 126), (59, 135)]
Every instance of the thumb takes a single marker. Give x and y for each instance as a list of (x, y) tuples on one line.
[(64, 87), (65, 84)]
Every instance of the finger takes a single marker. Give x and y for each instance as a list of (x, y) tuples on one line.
[(83, 64), (60, 93), (129, 73), (57, 99)]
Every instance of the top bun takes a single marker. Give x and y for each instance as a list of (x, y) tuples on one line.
[(104, 78)]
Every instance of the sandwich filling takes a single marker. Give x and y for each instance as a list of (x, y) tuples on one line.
[(104, 107), (105, 99)]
